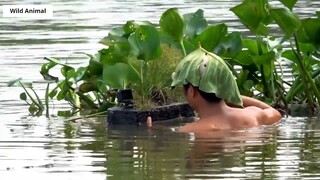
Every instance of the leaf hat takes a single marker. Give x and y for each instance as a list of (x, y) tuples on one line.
[(209, 73)]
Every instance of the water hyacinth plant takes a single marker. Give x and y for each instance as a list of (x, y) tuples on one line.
[(142, 56)]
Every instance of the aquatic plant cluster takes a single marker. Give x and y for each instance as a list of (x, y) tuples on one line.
[(142, 56)]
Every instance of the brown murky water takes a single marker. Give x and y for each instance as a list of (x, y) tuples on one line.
[(51, 148)]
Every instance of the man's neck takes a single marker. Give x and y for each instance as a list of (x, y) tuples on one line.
[(207, 110)]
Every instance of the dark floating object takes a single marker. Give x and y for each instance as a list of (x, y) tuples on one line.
[(126, 114), (125, 98)]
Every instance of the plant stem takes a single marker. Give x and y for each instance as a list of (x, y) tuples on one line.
[(39, 100), (32, 99), (183, 48), (281, 90), (142, 81), (87, 116), (140, 74), (263, 78), (297, 86), (303, 73), (306, 73), (47, 100)]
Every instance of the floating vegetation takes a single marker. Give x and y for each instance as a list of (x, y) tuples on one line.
[(142, 56)]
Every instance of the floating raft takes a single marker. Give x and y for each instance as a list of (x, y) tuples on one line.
[(122, 115)]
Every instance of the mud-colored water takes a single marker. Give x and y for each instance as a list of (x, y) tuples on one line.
[(51, 148)]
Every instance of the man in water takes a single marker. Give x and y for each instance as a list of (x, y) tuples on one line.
[(211, 90), (214, 113)]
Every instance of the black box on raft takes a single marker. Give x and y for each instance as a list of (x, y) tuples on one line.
[(123, 115)]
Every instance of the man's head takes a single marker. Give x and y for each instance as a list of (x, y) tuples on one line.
[(208, 97), (209, 74)]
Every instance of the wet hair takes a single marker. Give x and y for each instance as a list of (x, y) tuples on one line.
[(209, 97)]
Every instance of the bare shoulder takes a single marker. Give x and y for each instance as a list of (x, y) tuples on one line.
[(263, 116)]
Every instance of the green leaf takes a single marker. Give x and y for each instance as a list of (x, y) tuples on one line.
[(252, 46), (289, 54), (287, 20), (189, 46), (57, 61), (14, 82), (33, 109), (80, 73), (229, 45), (267, 71), (27, 84), (310, 31), (195, 23), (264, 59), (120, 34), (289, 3), (132, 26), (63, 90), (119, 75), (244, 58), (145, 42), (307, 48), (114, 54), (61, 95), (253, 14), (45, 68), (209, 73), (172, 24), (23, 96), (87, 87), (18, 83), (111, 39), (248, 84), (117, 31), (94, 68), (67, 72), (53, 93), (211, 36), (101, 84), (243, 76), (318, 14), (49, 77)]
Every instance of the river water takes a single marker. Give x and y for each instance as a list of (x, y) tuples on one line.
[(51, 148)]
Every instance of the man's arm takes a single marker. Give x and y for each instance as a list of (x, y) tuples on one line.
[(267, 115)]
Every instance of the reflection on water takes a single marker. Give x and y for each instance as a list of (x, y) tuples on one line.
[(86, 149), (52, 148)]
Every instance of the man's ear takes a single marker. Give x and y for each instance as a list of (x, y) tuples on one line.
[(193, 91)]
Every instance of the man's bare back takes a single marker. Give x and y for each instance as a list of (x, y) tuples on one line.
[(221, 116)]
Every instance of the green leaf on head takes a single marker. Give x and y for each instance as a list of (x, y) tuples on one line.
[(209, 73)]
